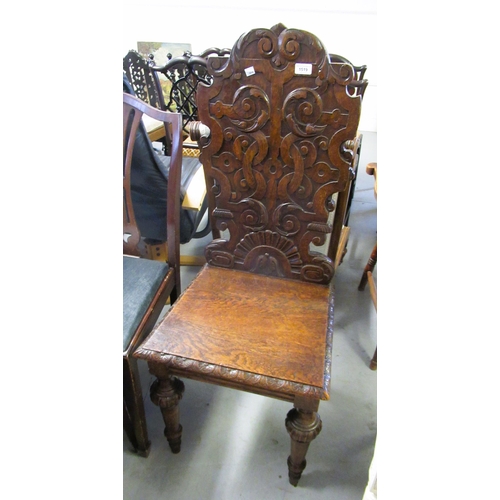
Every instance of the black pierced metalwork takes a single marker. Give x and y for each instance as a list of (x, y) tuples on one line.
[(173, 86)]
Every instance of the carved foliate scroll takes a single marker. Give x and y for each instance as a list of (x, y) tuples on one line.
[(279, 115)]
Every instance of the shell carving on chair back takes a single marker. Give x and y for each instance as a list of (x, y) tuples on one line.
[(280, 118)]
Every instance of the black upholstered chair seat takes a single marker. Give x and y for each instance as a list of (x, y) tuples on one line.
[(141, 280)]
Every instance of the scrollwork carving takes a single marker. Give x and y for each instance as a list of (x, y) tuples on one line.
[(342, 73), (278, 113), (216, 257), (249, 110), (320, 271), (303, 109), (286, 220), (254, 217)]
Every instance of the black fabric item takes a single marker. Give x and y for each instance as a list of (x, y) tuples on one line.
[(141, 280), (149, 179)]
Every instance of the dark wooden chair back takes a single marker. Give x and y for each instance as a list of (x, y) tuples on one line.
[(133, 244), (143, 79), (281, 122)]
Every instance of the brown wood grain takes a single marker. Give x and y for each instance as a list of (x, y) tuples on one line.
[(243, 321)]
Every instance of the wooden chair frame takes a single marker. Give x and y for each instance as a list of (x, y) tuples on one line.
[(259, 316), (133, 246)]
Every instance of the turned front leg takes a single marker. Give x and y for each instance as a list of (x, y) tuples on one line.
[(166, 392), (303, 423)]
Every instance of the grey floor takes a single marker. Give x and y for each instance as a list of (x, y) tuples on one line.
[(235, 444)]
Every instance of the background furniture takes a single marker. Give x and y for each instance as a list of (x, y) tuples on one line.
[(150, 171), (182, 75), (371, 169), (146, 283), (355, 88), (172, 86), (341, 228), (259, 316), (373, 293), (367, 277)]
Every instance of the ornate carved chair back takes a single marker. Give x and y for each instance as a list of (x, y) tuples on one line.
[(280, 116), (144, 80)]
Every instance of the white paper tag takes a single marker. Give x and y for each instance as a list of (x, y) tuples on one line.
[(303, 69), (250, 71)]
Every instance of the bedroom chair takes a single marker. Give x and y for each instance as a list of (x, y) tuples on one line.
[(146, 283), (259, 315)]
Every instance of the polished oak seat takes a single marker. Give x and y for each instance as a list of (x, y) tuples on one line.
[(214, 333)]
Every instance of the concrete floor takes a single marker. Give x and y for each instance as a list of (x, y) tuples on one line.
[(235, 444)]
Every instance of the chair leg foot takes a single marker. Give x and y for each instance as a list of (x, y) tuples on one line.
[(166, 393), (144, 453), (373, 362), (370, 266), (303, 425), (134, 417)]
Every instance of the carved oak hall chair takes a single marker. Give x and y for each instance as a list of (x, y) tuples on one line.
[(259, 315), (146, 283)]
